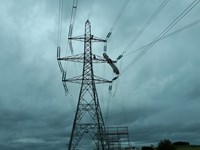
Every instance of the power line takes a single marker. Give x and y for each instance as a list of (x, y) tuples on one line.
[(72, 20), (155, 14), (60, 17), (162, 34), (166, 36), (117, 19), (136, 37), (71, 26)]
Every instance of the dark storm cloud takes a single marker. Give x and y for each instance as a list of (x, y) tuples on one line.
[(156, 98), (31, 117)]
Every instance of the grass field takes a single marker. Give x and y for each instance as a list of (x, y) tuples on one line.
[(188, 148)]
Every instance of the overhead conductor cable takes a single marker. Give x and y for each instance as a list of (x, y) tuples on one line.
[(136, 37), (166, 36), (71, 26), (117, 19), (163, 33)]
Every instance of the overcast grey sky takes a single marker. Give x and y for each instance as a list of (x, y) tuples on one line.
[(157, 98)]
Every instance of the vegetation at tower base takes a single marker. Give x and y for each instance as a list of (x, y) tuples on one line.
[(180, 143), (188, 148), (147, 148), (165, 145), (168, 145)]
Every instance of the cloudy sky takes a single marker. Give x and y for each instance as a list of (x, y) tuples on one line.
[(157, 98)]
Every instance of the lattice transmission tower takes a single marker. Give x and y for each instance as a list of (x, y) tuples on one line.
[(88, 117)]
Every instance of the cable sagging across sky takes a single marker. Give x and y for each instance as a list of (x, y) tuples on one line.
[(117, 19), (162, 34), (145, 26)]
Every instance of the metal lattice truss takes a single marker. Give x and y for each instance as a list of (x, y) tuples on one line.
[(88, 117)]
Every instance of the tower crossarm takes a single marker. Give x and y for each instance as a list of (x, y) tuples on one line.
[(78, 80), (80, 58), (73, 58), (82, 38)]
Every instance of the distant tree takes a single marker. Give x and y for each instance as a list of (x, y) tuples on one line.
[(180, 143), (165, 145), (147, 148)]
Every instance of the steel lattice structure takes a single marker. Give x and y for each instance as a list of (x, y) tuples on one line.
[(88, 117), (88, 100)]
